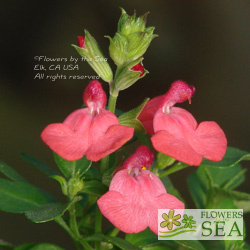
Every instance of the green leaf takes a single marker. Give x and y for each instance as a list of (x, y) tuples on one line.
[(136, 124), (108, 175), (235, 194), (134, 113), (170, 188), (163, 161), (46, 246), (222, 177), (94, 237), (216, 195), (144, 238), (236, 180), (197, 190), (10, 172), (232, 244), (19, 197), (72, 168), (143, 139), (157, 248), (38, 246), (245, 205), (190, 244), (40, 165), (26, 246), (95, 188), (6, 245), (121, 243), (63, 183), (231, 158), (94, 57), (46, 212), (130, 118)]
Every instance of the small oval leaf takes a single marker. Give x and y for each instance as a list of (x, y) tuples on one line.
[(46, 212), (19, 197)]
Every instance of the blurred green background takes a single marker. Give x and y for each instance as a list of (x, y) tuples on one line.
[(205, 43)]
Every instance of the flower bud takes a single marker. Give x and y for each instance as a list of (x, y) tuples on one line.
[(90, 51), (132, 39), (75, 185), (130, 74), (131, 24)]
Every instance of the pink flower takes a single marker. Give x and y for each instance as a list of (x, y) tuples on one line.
[(135, 195), (177, 133), (92, 131)]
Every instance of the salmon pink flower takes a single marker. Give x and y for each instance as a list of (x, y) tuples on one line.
[(177, 133), (135, 195), (92, 131)]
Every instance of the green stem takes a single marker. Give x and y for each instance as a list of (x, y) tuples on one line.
[(64, 225), (98, 227), (111, 107), (112, 100), (114, 232), (73, 223), (177, 167), (85, 245), (104, 164)]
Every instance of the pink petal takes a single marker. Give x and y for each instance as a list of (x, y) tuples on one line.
[(176, 146), (175, 121), (147, 183), (178, 136), (172, 133), (211, 142), (106, 135), (122, 212), (132, 203), (147, 115), (164, 201), (69, 139), (77, 119), (62, 140)]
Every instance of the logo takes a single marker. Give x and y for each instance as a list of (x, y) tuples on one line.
[(200, 224)]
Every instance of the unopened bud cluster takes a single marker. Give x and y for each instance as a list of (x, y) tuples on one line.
[(127, 48), (131, 40)]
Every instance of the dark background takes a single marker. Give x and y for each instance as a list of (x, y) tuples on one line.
[(205, 43)]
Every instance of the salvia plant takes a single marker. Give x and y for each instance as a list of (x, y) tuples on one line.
[(127, 189)]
